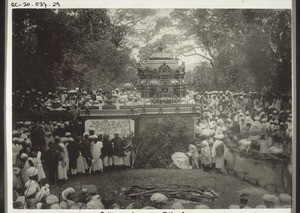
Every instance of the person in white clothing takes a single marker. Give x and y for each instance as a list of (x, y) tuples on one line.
[(97, 165), (62, 164), (217, 152)]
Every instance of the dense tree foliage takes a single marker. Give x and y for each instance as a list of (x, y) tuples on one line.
[(245, 49), (94, 48), (62, 47), (155, 145)]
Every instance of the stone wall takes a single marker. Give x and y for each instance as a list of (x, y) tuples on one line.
[(262, 173)]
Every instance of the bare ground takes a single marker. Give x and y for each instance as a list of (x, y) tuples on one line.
[(226, 186)]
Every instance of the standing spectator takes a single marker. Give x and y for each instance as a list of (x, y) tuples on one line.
[(118, 151), (206, 160), (81, 161), (51, 162), (217, 152), (127, 151), (97, 165), (194, 155), (85, 149), (107, 152), (73, 150), (16, 149), (62, 165), (34, 160)]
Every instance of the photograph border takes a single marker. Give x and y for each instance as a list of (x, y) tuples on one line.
[(237, 4)]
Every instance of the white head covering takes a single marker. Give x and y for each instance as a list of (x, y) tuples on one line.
[(67, 134), (24, 155), (31, 171), (16, 170), (44, 192), (270, 198), (24, 136), (51, 199), (219, 136), (39, 205), (67, 191), (14, 132), (21, 199), (61, 145)]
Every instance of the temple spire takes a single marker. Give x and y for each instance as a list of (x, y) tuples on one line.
[(161, 47)]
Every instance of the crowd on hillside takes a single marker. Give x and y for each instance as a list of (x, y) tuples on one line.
[(217, 101), (60, 157), (247, 121)]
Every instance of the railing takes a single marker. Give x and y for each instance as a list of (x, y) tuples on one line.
[(158, 105), (143, 110), (109, 112)]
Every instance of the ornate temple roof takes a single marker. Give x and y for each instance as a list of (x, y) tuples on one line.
[(160, 57)]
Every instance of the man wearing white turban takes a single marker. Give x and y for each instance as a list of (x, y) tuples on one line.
[(97, 164)]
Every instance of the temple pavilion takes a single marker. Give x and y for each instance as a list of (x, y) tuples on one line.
[(161, 76)]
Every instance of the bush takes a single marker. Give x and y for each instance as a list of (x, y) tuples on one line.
[(155, 145)]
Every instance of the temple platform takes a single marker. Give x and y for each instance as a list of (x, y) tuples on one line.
[(136, 118)]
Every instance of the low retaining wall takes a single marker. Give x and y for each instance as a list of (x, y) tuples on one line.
[(262, 173)]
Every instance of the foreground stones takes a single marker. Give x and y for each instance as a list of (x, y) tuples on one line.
[(159, 198), (177, 205)]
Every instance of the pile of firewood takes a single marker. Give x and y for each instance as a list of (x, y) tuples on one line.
[(184, 192)]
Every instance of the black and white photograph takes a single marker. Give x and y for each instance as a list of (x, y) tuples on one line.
[(151, 108)]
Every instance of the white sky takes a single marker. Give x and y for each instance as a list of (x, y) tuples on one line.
[(188, 60)]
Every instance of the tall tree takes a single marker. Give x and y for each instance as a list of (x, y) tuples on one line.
[(242, 43), (52, 47)]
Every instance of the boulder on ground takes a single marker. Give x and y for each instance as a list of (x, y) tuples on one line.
[(159, 198), (202, 206), (177, 205)]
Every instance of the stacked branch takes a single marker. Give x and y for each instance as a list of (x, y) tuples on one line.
[(185, 192)]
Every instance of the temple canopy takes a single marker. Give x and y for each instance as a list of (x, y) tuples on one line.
[(161, 76)]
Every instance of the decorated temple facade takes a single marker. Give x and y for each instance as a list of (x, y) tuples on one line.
[(161, 76)]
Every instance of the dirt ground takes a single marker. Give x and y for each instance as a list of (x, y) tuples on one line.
[(226, 186)]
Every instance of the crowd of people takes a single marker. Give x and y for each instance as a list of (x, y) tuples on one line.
[(256, 126), (269, 201), (219, 101), (251, 121), (60, 156)]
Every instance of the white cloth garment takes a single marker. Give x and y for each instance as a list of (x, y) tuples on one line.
[(97, 161)]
